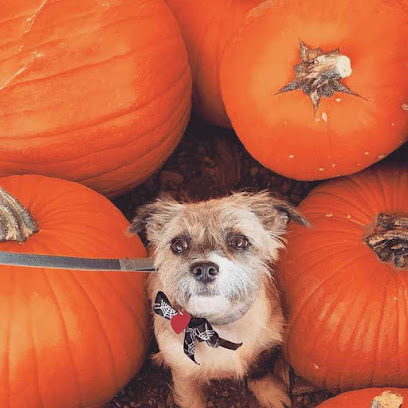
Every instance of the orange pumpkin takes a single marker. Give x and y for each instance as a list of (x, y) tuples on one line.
[(206, 27), (364, 398), (304, 109), (68, 339), (345, 282), (92, 91)]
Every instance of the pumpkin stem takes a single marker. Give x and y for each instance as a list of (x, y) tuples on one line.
[(387, 399), (16, 223), (319, 74), (390, 240)]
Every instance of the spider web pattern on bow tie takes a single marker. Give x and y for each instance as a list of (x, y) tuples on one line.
[(164, 309), (189, 343), (206, 334)]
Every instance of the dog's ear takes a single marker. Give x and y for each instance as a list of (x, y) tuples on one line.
[(289, 212), (152, 217), (273, 212)]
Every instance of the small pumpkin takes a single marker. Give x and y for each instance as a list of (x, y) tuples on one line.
[(206, 27), (91, 91), (369, 398), (319, 90), (68, 339), (345, 282)]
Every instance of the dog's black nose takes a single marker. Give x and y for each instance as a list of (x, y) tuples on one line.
[(204, 271)]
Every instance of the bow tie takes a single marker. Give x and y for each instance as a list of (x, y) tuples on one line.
[(196, 328)]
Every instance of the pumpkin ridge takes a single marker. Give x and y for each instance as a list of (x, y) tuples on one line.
[(134, 162), (377, 340), (205, 29), (397, 314), (382, 189), (341, 231), (35, 354), (135, 141), (78, 16), (99, 322), (18, 40), (335, 244), (401, 284), (58, 40), (334, 339), (322, 324), (127, 307), (134, 319), (70, 71), (360, 209), (7, 355), (352, 337), (306, 299), (121, 167), (47, 279), (7, 20), (105, 118), (337, 217), (362, 190), (66, 336)]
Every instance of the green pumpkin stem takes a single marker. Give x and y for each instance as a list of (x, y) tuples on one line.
[(390, 239), (319, 74), (16, 223)]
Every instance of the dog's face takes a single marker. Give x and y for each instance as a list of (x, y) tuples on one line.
[(212, 256)]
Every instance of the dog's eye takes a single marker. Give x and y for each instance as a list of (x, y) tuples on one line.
[(179, 245), (238, 242)]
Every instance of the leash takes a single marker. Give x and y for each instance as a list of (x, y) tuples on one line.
[(84, 264)]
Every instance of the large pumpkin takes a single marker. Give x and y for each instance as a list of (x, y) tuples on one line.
[(96, 91), (68, 339), (206, 27), (345, 282), (385, 398), (304, 109)]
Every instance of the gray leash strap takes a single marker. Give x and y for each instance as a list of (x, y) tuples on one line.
[(84, 264)]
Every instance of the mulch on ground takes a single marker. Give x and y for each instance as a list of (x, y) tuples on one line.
[(211, 162)]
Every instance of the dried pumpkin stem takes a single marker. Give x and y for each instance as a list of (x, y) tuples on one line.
[(390, 239), (387, 221), (16, 223), (387, 399), (319, 74)]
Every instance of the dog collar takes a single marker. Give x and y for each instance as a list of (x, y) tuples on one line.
[(195, 328)]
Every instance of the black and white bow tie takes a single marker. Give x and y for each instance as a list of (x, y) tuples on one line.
[(195, 328)]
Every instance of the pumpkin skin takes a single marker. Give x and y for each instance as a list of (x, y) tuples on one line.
[(346, 310), (69, 339), (92, 91), (361, 398), (347, 133), (206, 27)]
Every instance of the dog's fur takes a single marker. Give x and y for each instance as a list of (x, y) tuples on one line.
[(242, 303)]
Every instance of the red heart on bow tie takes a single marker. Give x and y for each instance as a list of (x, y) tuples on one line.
[(180, 321)]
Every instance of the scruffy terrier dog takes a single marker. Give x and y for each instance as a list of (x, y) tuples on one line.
[(214, 262)]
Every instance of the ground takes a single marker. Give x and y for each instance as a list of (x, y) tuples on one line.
[(211, 162)]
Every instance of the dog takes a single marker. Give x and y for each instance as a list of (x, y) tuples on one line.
[(213, 261)]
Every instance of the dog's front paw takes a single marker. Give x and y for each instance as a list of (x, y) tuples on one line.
[(270, 392)]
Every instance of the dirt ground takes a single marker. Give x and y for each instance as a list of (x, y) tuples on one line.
[(211, 162)]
